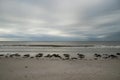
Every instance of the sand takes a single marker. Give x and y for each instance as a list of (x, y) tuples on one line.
[(33, 69)]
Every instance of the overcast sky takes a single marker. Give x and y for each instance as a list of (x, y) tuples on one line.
[(60, 20)]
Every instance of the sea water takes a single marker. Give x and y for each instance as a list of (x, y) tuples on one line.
[(72, 48)]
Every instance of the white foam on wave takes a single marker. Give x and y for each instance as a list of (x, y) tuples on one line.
[(106, 46)]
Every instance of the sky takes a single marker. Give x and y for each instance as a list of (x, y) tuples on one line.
[(59, 20)]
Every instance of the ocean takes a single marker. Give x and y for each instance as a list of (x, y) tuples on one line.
[(51, 47)]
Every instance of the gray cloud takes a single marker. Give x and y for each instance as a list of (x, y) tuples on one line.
[(59, 20)]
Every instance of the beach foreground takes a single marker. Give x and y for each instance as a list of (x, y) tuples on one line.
[(33, 69)]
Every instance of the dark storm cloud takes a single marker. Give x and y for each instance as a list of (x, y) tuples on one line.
[(59, 20)]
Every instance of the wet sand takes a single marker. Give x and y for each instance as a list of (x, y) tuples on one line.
[(33, 69)]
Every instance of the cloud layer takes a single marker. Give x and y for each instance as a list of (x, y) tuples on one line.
[(60, 20)]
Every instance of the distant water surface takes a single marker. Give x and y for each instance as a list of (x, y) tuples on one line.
[(34, 47)]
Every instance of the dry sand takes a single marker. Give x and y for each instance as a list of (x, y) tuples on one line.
[(33, 69)]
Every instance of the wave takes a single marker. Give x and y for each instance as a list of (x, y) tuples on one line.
[(84, 46)]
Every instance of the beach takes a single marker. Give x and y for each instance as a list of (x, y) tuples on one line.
[(59, 60), (59, 39), (56, 69)]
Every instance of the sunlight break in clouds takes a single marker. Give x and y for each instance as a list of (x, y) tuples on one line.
[(60, 20)]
